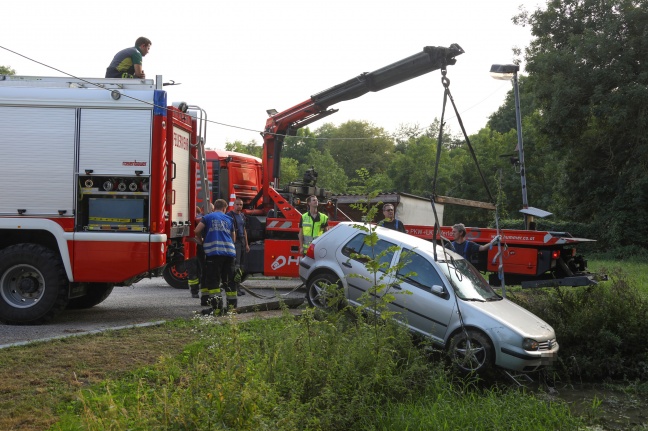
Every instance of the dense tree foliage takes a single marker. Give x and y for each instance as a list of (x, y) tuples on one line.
[(503, 120), (331, 176), (356, 145), (250, 148), (7, 70), (300, 146), (589, 77)]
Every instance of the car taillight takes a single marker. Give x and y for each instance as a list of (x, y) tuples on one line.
[(311, 251), (555, 254)]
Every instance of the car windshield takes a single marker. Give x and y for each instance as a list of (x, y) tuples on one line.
[(467, 282)]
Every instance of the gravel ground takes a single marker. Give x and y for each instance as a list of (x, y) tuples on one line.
[(148, 302)]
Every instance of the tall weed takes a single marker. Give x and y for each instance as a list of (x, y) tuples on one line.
[(601, 329)]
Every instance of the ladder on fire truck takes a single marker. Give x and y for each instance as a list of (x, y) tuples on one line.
[(201, 136), (69, 82)]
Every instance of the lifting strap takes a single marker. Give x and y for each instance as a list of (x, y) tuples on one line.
[(447, 95)]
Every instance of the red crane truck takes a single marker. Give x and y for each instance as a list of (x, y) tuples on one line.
[(272, 212), (531, 258), (97, 186)]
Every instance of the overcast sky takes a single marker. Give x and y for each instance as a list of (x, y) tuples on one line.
[(237, 58)]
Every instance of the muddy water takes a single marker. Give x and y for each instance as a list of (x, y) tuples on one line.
[(610, 408)]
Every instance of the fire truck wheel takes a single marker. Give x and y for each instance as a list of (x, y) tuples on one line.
[(97, 293), (471, 352), (324, 291), (176, 275), (33, 285)]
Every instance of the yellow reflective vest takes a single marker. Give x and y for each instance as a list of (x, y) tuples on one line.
[(311, 228)]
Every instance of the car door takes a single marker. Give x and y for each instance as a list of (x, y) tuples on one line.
[(428, 307), (360, 279)]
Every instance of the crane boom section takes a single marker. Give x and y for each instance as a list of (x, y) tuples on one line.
[(287, 122)]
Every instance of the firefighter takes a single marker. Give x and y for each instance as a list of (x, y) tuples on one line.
[(196, 265), (127, 63), (218, 244), (312, 224), (241, 244)]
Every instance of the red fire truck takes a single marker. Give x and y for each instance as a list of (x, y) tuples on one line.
[(97, 179)]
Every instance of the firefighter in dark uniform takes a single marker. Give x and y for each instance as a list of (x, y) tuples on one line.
[(195, 266), (241, 244)]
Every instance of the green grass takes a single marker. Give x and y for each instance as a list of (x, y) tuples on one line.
[(636, 271), (303, 374)]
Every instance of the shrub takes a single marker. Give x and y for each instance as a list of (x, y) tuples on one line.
[(601, 329)]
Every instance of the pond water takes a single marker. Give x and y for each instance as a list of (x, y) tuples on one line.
[(610, 407)]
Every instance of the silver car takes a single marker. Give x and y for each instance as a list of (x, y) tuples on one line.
[(448, 301)]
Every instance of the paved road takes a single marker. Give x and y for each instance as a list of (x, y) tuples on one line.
[(150, 300)]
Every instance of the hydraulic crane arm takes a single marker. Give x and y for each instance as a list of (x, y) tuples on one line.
[(432, 58), (286, 123)]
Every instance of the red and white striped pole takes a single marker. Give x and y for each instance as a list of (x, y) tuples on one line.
[(231, 202)]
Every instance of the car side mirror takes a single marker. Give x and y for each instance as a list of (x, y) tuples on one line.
[(438, 290)]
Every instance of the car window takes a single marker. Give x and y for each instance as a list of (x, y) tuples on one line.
[(357, 245), (467, 282), (417, 270)]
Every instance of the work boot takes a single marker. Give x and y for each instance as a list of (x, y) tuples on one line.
[(232, 303), (237, 282), (204, 295), (217, 305), (194, 287), (204, 300)]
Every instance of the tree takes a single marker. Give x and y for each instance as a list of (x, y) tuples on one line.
[(504, 119), (289, 171), (330, 175), (588, 73), (412, 170), (7, 70), (300, 146), (250, 148), (357, 144)]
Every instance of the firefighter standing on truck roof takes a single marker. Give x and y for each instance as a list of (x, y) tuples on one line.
[(312, 224), (127, 63)]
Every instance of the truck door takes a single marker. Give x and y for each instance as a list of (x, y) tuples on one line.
[(181, 214)]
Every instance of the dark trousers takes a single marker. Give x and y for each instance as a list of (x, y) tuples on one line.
[(196, 269), (240, 255), (218, 272)]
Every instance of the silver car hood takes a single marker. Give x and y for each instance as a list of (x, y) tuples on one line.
[(514, 316)]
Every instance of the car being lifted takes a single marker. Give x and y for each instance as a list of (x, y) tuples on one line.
[(448, 301)]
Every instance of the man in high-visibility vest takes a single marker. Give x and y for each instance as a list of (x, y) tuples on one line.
[(312, 224)]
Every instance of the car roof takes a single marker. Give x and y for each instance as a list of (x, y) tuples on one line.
[(405, 239)]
